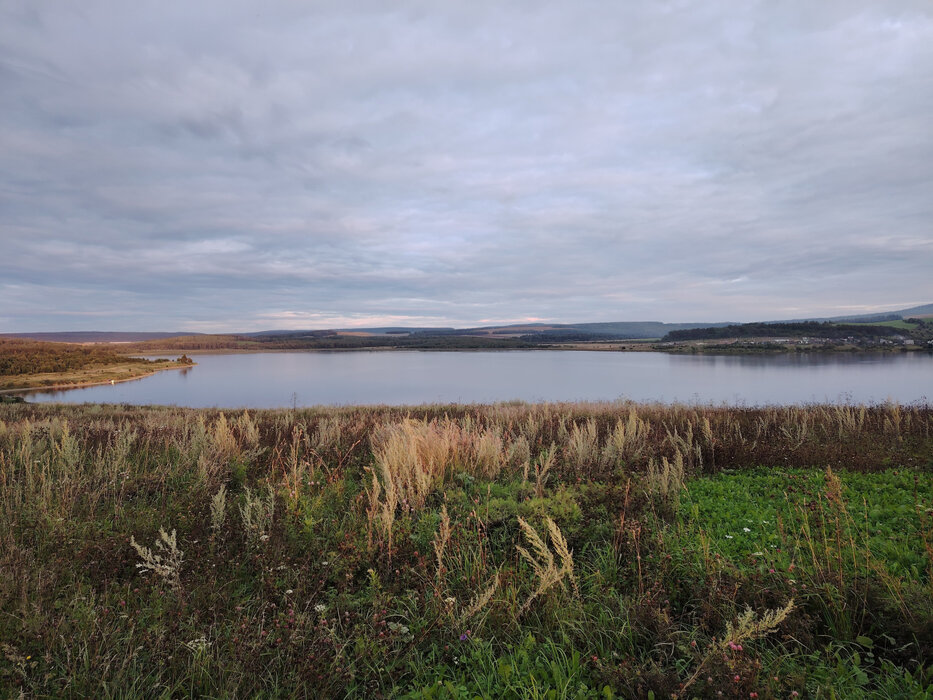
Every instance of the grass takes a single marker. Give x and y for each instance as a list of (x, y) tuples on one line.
[(512, 550)]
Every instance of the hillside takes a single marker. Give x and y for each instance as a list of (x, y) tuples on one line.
[(94, 336), (884, 332), (30, 364)]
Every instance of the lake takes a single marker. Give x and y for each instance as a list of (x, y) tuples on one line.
[(274, 380)]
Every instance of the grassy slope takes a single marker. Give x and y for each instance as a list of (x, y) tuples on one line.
[(26, 364), (85, 377), (375, 552), (903, 325)]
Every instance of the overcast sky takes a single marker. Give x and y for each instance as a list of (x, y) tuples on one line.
[(221, 165)]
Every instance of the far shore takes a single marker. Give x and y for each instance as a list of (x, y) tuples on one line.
[(711, 347)]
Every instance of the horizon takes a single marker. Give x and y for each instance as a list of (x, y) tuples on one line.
[(464, 327), (239, 168)]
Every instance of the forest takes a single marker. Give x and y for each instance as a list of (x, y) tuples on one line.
[(19, 356), (811, 329)]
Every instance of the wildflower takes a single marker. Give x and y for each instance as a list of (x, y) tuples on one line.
[(770, 571), (320, 608), (728, 537), (289, 591), (745, 529)]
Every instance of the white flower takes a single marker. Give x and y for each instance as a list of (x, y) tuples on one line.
[(289, 591), (320, 607), (450, 600), (745, 529), (728, 537)]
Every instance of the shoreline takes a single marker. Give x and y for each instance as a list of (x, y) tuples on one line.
[(84, 384), (598, 346)]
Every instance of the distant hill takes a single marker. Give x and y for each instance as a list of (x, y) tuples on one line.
[(426, 336), (917, 311), (914, 311), (382, 330), (95, 336), (540, 332)]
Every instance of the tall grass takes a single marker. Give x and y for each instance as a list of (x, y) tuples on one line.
[(378, 550)]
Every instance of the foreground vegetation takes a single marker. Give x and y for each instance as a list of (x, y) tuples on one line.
[(26, 364), (564, 550)]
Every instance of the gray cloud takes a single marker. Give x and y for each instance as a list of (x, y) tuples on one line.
[(243, 165)]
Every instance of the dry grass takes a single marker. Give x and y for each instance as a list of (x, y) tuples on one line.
[(543, 563), (558, 522)]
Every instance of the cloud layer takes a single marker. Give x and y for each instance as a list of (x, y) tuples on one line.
[(242, 165)]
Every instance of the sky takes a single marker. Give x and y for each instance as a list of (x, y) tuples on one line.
[(227, 165)]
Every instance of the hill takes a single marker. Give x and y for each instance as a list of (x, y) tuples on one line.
[(95, 336)]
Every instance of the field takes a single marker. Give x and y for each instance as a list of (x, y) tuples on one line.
[(899, 324), (511, 550)]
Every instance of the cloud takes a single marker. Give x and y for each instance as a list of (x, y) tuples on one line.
[(237, 164)]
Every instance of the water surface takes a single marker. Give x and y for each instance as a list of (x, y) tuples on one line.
[(272, 380)]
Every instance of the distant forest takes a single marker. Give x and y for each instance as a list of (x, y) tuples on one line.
[(810, 329), (35, 357), (327, 340)]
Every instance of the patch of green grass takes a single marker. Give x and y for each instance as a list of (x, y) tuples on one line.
[(753, 518), (890, 324)]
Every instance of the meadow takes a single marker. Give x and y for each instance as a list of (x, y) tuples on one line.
[(460, 551)]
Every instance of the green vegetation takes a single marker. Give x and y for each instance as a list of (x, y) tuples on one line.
[(512, 550)]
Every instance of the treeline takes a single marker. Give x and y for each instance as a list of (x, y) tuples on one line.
[(810, 329), (330, 341), (19, 357), (193, 342), (567, 336)]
